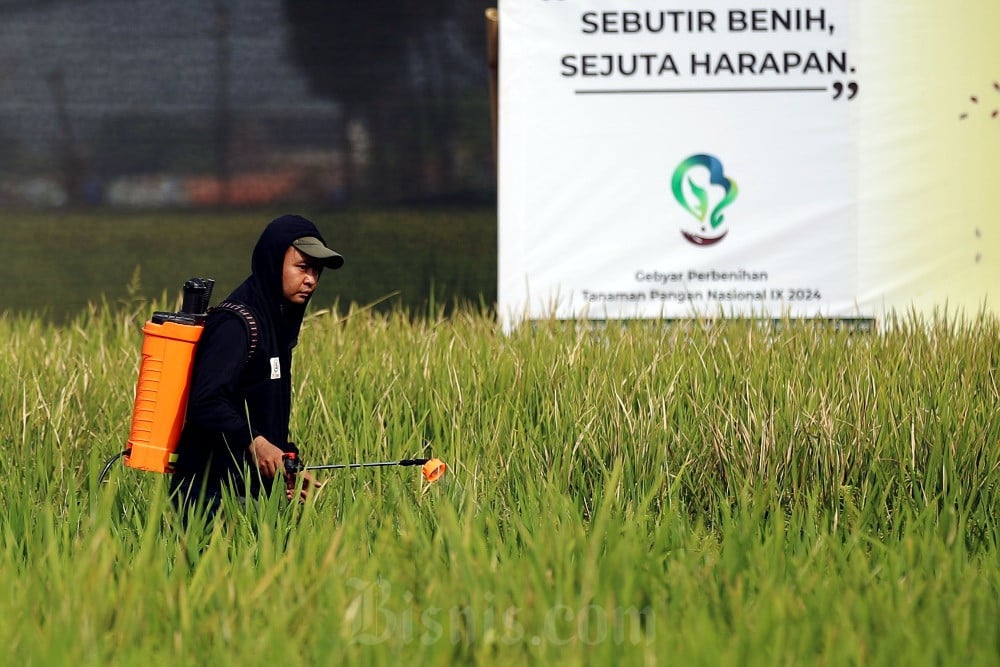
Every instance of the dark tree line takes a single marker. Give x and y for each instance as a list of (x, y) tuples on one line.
[(412, 80)]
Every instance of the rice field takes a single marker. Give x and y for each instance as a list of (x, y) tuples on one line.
[(633, 493)]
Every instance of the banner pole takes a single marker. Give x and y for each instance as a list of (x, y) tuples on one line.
[(492, 61)]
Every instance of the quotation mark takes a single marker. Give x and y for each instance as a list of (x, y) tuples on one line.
[(838, 90)]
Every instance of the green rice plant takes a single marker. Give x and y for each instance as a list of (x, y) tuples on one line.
[(697, 492)]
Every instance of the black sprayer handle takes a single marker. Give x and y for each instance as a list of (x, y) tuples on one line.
[(293, 464)]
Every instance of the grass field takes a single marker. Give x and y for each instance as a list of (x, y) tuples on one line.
[(635, 494), (55, 263)]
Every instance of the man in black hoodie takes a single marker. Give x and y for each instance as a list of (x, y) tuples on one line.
[(236, 431)]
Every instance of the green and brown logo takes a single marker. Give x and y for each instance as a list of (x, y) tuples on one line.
[(708, 225)]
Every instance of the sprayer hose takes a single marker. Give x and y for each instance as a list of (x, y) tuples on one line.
[(109, 463)]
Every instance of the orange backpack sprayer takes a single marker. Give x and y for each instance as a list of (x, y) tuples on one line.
[(161, 393)]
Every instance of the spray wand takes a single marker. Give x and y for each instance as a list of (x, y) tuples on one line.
[(433, 469)]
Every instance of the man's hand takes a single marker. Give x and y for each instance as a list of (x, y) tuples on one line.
[(306, 483), (267, 457), (270, 461)]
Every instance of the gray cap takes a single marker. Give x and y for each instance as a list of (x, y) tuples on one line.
[(313, 247)]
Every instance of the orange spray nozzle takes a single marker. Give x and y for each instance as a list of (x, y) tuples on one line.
[(434, 469)]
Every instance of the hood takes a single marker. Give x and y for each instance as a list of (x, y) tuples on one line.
[(263, 289), (268, 257)]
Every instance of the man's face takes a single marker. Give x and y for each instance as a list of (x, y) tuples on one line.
[(299, 275)]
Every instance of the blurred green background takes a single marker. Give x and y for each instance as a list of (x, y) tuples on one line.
[(419, 258)]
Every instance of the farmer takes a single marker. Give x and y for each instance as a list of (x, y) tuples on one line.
[(236, 431)]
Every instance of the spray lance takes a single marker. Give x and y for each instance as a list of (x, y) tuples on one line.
[(433, 469)]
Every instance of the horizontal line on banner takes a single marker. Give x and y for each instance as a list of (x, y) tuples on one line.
[(665, 91)]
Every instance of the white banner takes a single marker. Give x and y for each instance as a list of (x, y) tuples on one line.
[(703, 160)]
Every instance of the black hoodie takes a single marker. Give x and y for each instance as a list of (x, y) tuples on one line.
[(233, 399)]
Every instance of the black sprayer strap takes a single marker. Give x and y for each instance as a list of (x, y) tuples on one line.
[(248, 319)]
